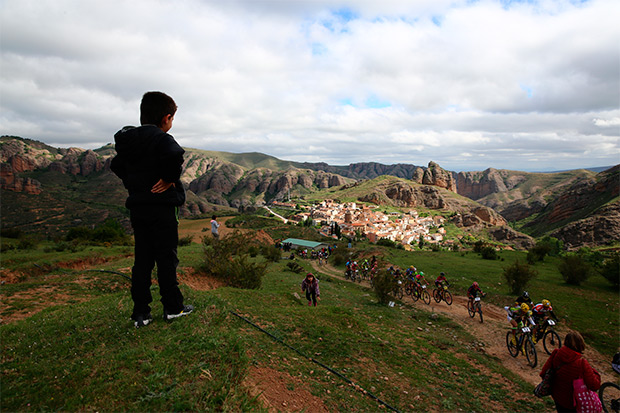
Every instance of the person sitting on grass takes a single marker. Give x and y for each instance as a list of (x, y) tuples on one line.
[(311, 286)]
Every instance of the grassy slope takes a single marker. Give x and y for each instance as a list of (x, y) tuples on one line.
[(87, 356)]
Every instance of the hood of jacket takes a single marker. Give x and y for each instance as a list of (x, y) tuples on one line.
[(146, 154), (566, 355)]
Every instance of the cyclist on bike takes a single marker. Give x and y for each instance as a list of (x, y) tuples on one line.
[(541, 312), (517, 316), (420, 280), (441, 280), (473, 291), (524, 298)]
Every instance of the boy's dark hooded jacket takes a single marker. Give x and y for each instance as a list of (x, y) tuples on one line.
[(145, 155)]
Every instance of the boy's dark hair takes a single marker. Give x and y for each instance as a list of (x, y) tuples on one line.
[(154, 106)]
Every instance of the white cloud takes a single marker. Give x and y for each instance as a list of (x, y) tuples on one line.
[(470, 85)]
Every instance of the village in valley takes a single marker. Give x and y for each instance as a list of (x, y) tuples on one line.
[(358, 220)]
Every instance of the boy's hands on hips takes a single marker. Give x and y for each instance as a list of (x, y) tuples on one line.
[(161, 186)]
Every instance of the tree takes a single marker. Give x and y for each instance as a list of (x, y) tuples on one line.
[(610, 270), (518, 276), (574, 269)]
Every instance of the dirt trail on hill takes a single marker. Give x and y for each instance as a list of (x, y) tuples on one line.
[(492, 333)]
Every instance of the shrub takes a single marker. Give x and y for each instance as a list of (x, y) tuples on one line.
[(610, 270), (111, 231), (383, 285), (227, 258), (553, 245), (386, 242), (478, 246), (538, 252), (295, 267), (26, 244), (574, 269), (488, 253), (518, 276), (185, 241), (271, 253), (338, 260), (11, 233), (339, 256)]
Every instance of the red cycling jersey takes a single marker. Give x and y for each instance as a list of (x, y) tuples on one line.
[(540, 309)]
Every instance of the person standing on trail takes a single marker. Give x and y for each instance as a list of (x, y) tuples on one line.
[(149, 162), (215, 228), (311, 286), (569, 365)]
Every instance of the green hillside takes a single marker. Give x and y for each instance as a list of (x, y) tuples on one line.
[(81, 352)]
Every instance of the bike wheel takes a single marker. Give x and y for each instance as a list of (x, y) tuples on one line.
[(415, 295), (426, 297), (470, 309), (551, 341), (609, 393), (512, 346), (436, 295), (480, 312), (447, 297), (400, 292), (408, 290), (359, 278), (530, 352)]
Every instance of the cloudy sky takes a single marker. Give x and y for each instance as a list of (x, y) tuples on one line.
[(526, 85)]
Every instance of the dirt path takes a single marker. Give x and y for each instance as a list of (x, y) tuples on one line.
[(492, 332)]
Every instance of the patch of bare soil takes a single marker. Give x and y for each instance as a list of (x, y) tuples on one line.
[(189, 277), (10, 277), (24, 304), (492, 333), (196, 231), (280, 392), (37, 298)]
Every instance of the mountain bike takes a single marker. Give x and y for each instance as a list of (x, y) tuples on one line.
[(522, 344), (609, 393), (442, 293), (546, 333), (398, 290), (420, 292), (474, 307), (410, 289)]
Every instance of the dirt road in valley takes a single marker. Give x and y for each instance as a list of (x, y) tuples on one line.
[(492, 333)]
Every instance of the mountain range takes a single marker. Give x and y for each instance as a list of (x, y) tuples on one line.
[(47, 189)]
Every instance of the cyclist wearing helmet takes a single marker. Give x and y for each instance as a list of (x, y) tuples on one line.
[(441, 279), (473, 291), (420, 279), (524, 298), (541, 312), (517, 316)]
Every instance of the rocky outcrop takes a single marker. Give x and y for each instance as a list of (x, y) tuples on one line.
[(10, 182), (586, 213), (507, 235), (600, 229), (401, 194), (434, 175), (475, 185), (90, 163)]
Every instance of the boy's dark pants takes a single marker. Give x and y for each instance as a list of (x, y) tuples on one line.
[(156, 237)]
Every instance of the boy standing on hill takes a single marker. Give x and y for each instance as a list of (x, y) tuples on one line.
[(149, 161)]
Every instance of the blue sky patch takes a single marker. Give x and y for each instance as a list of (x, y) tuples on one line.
[(528, 90)]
